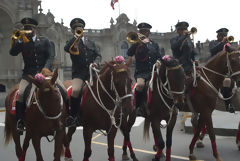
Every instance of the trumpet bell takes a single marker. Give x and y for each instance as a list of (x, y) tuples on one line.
[(193, 30), (230, 38), (78, 32), (132, 37)]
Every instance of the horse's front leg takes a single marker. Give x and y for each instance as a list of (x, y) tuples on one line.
[(18, 148), (25, 146), (110, 138), (212, 137), (67, 140), (58, 144), (155, 123), (36, 144), (87, 135), (126, 128), (192, 157)]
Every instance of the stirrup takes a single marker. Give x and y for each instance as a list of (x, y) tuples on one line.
[(71, 121), (20, 126)]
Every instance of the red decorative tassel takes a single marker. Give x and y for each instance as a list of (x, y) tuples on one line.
[(22, 157), (168, 154), (111, 159), (159, 153), (214, 148), (68, 153), (194, 140), (130, 147), (85, 159)]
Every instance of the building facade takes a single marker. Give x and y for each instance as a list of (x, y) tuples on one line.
[(110, 41)]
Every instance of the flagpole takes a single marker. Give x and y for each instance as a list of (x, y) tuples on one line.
[(119, 7)]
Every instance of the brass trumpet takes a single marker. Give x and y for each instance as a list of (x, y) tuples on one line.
[(230, 39), (133, 37), (78, 32), (18, 34), (192, 32)]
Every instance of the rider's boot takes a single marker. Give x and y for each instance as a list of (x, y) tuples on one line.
[(20, 110), (227, 92), (72, 118), (140, 109)]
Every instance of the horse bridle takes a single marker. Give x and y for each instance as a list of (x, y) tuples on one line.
[(41, 109), (117, 101), (229, 74)]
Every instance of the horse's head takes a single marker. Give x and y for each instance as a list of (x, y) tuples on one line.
[(47, 94), (173, 74), (120, 82)]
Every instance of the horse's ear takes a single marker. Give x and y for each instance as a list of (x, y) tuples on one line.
[(34, 81), (54, 77)]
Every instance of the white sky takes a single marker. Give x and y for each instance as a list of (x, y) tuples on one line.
[(206, 15)]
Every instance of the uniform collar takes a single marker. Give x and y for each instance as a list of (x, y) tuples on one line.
[(34, 38)]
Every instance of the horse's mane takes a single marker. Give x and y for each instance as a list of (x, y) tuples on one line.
[(106, 66), (170, 63), (214, 57)]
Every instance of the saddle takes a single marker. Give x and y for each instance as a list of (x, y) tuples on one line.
[(83, 93), (147, 92), (27, 98)]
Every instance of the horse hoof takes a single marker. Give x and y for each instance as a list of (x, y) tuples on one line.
[(155, 148), (156, 159), (239, 148), (192, 157), (134, 158), (68, 159), (125, 157), (200, 144)]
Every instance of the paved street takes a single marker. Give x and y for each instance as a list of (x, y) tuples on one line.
[(143, 149)]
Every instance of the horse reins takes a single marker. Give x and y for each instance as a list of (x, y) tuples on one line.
[(41, 109), (209, 83), (117, 101)]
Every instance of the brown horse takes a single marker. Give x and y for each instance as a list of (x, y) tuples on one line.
[(167, 96), (105, 102), (44, 117), (235, 100), (204, 95)]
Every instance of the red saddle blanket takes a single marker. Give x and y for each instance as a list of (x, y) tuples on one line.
[(148, 95), (13, 100), (69, 91)]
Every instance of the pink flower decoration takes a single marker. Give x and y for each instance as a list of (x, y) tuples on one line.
[(167, 58), (39, 77), (227, 44), (119, 59)]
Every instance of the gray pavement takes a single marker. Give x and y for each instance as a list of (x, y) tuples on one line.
[(224, 123), (143, 149)]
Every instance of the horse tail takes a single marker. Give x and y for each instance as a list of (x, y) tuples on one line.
[(146, 129), (7, 128)]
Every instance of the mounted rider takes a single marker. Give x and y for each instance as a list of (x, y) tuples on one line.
[(216, 46), (183, 47), (83, 52), (36, 53), (146, 54)]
